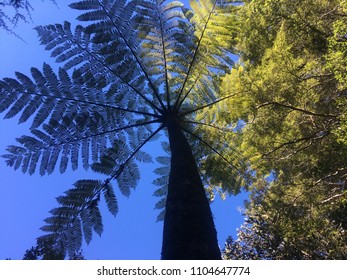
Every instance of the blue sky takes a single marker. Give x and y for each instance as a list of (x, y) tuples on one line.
[(26, 200)]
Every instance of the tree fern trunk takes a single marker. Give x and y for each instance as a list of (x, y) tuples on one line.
[(189, 231)]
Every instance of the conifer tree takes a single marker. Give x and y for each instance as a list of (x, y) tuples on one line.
[(290, 94)]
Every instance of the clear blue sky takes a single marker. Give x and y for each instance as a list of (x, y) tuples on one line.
[(26, 200)]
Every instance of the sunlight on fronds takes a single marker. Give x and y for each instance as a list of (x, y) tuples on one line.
[(127, 70)]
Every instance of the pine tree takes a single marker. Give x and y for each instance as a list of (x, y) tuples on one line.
[(133, 70)]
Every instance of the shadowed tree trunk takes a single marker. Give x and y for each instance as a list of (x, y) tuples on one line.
[(189, 231), (132, 64)]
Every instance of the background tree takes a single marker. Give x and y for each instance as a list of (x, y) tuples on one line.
[(13, 12), (43, 250), (135, 69), (290, 96)]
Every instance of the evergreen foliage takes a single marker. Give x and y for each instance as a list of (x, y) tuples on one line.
[(290, 93)]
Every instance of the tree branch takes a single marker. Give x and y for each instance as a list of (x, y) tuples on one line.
[(295, 109), (332, 198), (210, 125), (317, 183), (315, 136)]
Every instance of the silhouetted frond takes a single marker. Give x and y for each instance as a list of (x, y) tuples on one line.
[(110, 199), (78, 214), (127, 70), (162, 182), (50, 97), (161, 204), (224, 167)]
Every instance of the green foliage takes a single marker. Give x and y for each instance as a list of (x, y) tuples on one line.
[(289, 90), (280, 226), (336, 62), (127, 70)]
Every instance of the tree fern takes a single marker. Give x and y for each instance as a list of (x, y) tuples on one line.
[(129, 71)]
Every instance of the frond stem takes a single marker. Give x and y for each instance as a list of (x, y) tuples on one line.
[(93, 103), (105, 184), (134, 55), (165, 61), (213, 149), (207, 105), (95, 56), (102, 133), (121, 167), (176, 106), (210, 125), (188, 92), (124, 81)]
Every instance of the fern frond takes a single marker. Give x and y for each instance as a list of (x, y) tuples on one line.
[(96, 218), (78, 215), (110, 199), (162, 191), (117, 18), (162, 182), (49, 97), (119, 162), (68, 139), (85, 5), (128, 178), (225, 169), (211, 22), (87, 225), (161, 216), (162, 19), (132, 44), (207, 105), (77, 50), (143, 157), (160, 204)]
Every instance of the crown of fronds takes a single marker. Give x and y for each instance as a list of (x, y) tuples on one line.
[(122, 71)]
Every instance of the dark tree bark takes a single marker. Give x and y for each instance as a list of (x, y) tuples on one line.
[(189, 231)]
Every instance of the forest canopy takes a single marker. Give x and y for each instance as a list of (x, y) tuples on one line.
[(290, 92)]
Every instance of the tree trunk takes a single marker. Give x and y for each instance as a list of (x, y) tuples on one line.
[(189, 231)]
